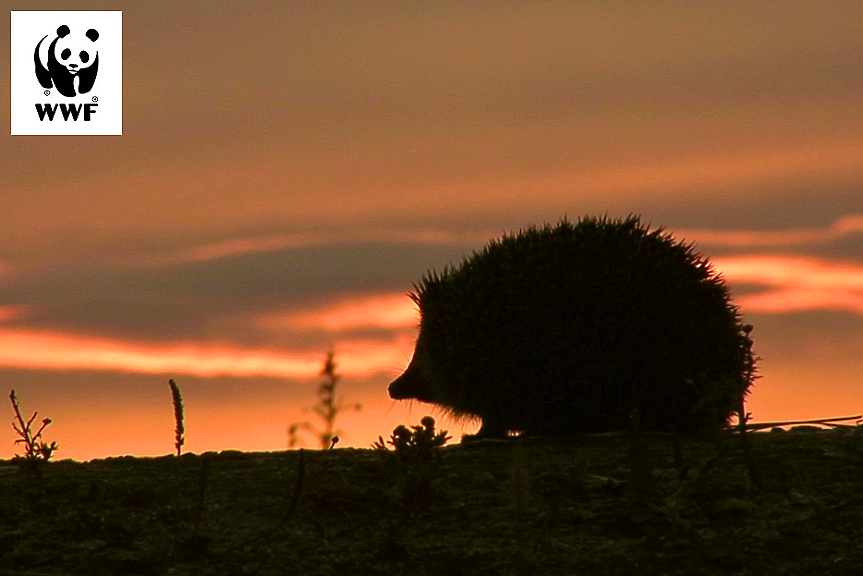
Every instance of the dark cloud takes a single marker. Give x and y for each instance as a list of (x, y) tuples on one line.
[(189, 300), (831, 339), (789, 205)]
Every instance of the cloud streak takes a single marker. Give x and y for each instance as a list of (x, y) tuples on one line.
[(56, 351), (795, 283), (844, 226), (379, 311), (256, 244)]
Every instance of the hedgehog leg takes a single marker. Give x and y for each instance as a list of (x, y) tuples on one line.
[(489, 429)]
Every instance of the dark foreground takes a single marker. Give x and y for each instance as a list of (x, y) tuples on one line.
[(585, 506)]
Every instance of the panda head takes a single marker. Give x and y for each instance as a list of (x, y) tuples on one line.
[(75, 52), (73, 62)]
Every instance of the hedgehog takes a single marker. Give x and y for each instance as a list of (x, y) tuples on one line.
[(574, 328)]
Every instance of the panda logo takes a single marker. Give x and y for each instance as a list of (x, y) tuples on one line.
[(70, 56)]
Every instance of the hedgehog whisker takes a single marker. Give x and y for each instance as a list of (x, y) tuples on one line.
[(392, 405)]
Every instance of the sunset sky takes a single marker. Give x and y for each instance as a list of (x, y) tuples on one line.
[(288, 169)]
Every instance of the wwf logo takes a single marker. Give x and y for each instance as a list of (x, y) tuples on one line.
[(70, 63)]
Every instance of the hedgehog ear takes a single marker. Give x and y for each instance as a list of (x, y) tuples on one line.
[(63, 31), (92, 35)]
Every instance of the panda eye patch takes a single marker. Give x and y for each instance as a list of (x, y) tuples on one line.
[(65, 54), (84, 56)]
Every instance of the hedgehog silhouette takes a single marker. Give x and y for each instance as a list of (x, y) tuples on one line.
[(571, 328)]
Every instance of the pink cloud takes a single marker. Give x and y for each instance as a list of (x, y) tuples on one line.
[(8, 313), (57, 351), (796, 282), (790, 300), (378, 311), (849, 224)]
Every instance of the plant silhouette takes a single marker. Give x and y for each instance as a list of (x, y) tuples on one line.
[(34, 447), (328, 408)]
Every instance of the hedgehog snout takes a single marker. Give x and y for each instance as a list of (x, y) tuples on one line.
[(411, 385)]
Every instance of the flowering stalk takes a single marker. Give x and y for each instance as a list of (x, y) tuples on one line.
[(178, 416)]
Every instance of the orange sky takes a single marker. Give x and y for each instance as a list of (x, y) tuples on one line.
[(288, 169)]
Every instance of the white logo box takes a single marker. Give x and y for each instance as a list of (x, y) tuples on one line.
[(46, 102)]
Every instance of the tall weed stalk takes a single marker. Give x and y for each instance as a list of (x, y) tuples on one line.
[(179, 440), (329, 406), (36, 450)]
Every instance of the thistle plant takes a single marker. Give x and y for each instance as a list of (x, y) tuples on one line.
[(420, 443), (328, 407), (178, 416), (417, 456), (34, 447)]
